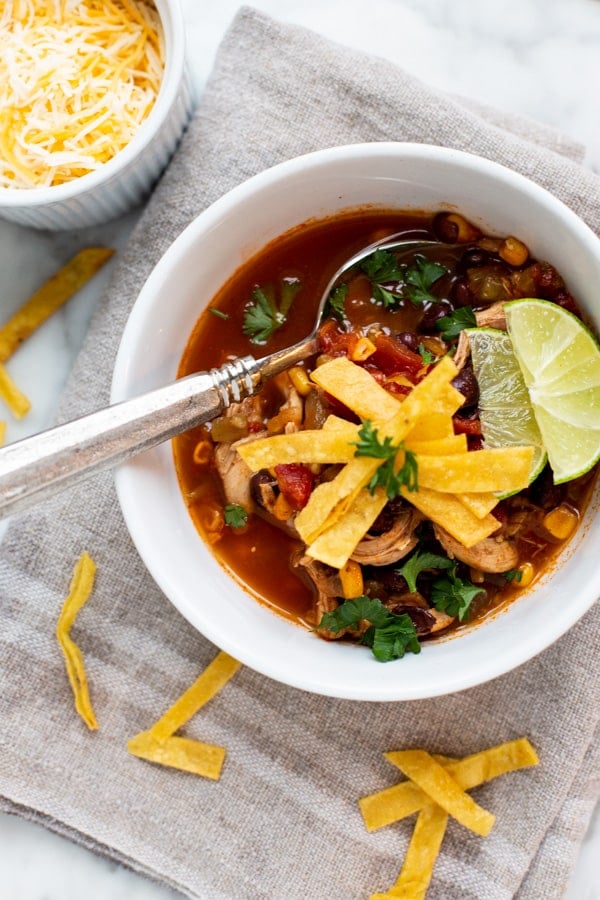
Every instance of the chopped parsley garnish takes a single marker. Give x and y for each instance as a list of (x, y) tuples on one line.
[(451, 326), (264, 316), (454, 595), (389, 636), (382, 268), (235, 515), (420, 278), (336, 300), (426, 355), (420, 561), (218, 313), (387, 476)]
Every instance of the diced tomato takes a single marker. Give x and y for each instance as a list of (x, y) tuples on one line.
[(469, 425), (295, 483), (394, 358), (334, 341)]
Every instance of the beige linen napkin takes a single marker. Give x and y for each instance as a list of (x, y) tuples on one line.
[(283, 821)]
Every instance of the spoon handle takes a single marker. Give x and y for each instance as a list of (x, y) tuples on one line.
[(37, 467)]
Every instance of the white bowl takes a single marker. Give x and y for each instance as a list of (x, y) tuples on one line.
[(126, 180), (198, 263)]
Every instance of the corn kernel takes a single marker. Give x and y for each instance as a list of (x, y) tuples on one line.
[(527, 572), (362, 350), (300, 380), (561, 522), (513, 251), (352, 580)]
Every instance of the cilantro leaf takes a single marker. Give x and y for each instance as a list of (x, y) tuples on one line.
[(420, 561), (393, 480), (420, 278), (263, 317), (235, 515), (351, 612), (368, 443), (454, 595), (389, 636), (426, 355), (389, 299), (336, 301), (451, 326), (393, 640), (381, 267), (387, 476)]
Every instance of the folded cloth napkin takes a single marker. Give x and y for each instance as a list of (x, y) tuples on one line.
[(283, 821)]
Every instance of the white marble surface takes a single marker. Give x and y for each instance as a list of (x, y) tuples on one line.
[(536, 57)]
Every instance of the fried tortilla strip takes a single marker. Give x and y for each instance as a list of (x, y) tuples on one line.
[(180, 753), (16, 401), (356, 388), (438, 784), (406, 798), (2, 432), (160, 746), (336, 545), (438, 424), (330, 500), (444, 446), (50, 297), (500, 469), (479, 504), (312, 446), (80, 589), (448, 511), (214, 677), (421, 855)]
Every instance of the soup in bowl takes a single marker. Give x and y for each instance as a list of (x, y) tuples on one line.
[(244, 528)]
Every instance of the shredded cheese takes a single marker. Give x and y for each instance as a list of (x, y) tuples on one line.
[(77, 78)]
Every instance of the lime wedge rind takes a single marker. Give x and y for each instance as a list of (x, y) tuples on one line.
[(560, 361)]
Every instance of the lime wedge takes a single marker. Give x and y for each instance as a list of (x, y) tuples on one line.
[(505, 410), (560, 361)]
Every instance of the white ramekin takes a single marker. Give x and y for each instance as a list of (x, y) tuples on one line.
[(126, 180)]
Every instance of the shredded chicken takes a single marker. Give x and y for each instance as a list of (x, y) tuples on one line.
[(234, 472), (327, 582), (463, 351), (492, 554), (492, 317), (291, 411), (392, 545)]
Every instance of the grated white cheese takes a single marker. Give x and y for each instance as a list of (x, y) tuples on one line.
[(77, 78)]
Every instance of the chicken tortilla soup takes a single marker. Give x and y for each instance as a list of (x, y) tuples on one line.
[(413, 476)]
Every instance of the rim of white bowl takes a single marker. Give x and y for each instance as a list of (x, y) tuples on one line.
[(489, 667), (171, 18)]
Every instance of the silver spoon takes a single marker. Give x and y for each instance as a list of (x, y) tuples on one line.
[(37, 467)]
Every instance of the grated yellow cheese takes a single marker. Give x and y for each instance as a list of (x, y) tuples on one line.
[(77, 78)]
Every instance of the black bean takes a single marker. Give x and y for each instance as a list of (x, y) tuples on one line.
[(466, 383), (433, 312)]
